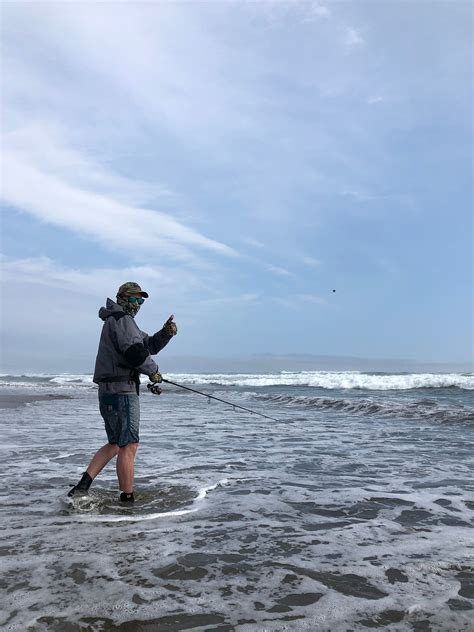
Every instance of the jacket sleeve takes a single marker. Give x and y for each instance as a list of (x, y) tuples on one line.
[(131, 346), (157, 342)]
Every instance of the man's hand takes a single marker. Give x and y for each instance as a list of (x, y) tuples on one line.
[(156, 378), (170, 328), (154, 388)]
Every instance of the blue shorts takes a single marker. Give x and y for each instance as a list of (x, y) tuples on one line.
[(121, 414)]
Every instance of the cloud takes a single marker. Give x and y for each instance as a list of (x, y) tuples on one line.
[(319, 10), (66, 189), (277, 270), (43, 271), (376, 98), (277, 10), (311, 262), (155, 59), (359, 195), (315, 11), (254, 242), (353, 37), (50, 147), (180, 80)]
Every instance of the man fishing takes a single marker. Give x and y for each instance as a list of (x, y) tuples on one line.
[(124, 353)]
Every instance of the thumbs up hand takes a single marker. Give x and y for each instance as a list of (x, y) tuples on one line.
[(170, 328)]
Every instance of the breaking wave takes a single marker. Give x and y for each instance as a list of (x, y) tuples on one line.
[(426, 409), (336, 380), (42, 379), (316, 379)]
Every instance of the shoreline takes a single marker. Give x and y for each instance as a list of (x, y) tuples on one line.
[(16, 400)]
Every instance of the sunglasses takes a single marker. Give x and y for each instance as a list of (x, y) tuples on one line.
[(134, 299)]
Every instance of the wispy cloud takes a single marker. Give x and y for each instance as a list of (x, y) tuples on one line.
[(300, 12), (44, 271), (50, 147), (134, 53), (376, 98), (177, 80), (311, 262), (315, 11), (278, 270), (87, 201), (254, 242), (359, 195), (353, 38)]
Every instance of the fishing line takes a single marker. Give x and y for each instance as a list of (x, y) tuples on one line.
[(218, 399)]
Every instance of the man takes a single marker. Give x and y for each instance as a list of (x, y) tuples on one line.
[(124, 353)]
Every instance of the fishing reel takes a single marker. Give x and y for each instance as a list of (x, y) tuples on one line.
[(154, 388)]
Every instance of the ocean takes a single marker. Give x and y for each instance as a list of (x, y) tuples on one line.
[(353, 510)]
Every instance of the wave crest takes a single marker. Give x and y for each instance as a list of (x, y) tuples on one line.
[(329, 380), (335, 380), (426, 409)]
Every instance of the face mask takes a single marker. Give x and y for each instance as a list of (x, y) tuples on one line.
[(128, 308)]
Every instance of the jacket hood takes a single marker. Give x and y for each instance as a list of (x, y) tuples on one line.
[(110, 308)]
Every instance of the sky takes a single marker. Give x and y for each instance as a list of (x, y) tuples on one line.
[(240, 161)]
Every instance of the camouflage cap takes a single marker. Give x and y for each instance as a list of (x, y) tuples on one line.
[(131, 288)]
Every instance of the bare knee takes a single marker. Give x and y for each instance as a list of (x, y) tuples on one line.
[(130, 448), (113, 448)]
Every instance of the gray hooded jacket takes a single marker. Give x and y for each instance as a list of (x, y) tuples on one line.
[(124, 351)]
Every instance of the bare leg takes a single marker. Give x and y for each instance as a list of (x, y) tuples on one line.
[(101, 458), (125, 467)]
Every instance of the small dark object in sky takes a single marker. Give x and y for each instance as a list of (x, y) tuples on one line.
[(334, 290)]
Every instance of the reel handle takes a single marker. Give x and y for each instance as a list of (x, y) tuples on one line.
[(154, 388)]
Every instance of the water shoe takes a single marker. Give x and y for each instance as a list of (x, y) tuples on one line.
[(82, 488)]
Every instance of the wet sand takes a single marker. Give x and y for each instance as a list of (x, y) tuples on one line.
[(16, 400)]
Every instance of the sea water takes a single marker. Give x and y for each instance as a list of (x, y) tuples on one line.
[(352, 511)]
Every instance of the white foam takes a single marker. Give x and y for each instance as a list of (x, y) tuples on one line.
[(202, 493), (334, 380), (317, 379), (67, 379), (136, 517), (45, 379)]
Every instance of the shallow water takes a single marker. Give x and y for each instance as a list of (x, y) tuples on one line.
[(354, 512)]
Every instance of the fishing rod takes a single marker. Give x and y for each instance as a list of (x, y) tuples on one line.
[(156, 391)]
